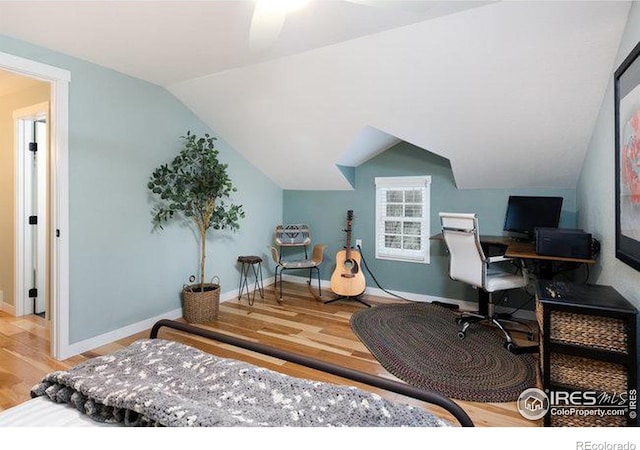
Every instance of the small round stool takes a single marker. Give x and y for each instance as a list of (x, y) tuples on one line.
[(255, 263)]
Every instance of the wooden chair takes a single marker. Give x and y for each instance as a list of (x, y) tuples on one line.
[(296, 235)]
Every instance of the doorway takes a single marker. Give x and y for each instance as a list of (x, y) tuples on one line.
[(32, 206), (58, 183)]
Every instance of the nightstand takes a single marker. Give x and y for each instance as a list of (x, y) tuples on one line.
[(588, 344)]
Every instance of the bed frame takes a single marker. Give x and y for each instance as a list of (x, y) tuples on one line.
[(372, 380)]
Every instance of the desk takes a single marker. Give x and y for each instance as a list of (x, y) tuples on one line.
[(519, 250), (527, 250)]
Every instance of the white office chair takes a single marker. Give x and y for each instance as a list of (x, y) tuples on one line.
[(468, 264)]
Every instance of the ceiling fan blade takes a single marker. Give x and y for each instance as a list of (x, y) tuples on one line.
[(266, 23)]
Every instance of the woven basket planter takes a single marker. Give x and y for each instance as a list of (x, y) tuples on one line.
[(200, 307)]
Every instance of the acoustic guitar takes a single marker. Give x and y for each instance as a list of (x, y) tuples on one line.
[(347, 279)]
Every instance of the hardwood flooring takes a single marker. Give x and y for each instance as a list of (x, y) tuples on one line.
[(300, 324)]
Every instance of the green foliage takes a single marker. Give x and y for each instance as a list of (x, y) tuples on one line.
[(195, 185)]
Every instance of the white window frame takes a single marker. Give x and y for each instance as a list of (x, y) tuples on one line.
[(382, 185)]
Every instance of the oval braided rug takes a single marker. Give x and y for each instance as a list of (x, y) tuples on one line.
[(418, 343)]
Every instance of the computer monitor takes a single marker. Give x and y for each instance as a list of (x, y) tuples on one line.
[(526, 213)]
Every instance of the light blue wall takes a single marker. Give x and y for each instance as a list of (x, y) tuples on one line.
[(120, 129), (596, 186), (325, 212)]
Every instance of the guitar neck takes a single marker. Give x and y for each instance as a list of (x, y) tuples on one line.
[(348, 249)]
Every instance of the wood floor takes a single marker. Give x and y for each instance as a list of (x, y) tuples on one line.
[(300, 324)]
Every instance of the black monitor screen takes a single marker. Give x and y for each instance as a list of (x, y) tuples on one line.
[(525, 214)]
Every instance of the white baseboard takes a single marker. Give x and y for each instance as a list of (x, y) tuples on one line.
[(5, 307), (463, 304), (106, 338), (9, 309), (120, 333)]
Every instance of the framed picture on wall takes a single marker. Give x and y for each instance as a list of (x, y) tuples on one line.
[(627, 167)]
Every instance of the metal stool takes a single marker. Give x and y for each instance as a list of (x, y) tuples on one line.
[(254, 262)]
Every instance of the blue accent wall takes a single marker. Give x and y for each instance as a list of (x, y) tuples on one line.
[(120, 129), (325, 212), (596, 186)]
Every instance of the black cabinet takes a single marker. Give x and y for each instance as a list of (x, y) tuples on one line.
[(587, 348)]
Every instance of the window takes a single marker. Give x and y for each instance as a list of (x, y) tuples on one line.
[(402, 218)]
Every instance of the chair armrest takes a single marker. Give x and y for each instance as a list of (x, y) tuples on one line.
[(493, 259), (275, 255)]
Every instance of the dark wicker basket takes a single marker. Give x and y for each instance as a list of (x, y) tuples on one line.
[(588, 374), (200, 307), (591, 331)]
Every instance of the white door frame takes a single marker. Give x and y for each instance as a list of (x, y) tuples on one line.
[(59, 193), (23, 244)]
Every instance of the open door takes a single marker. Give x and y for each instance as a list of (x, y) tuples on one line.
[(32, 218), (58, 187)]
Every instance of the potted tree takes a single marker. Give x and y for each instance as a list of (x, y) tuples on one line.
[(195, 186)]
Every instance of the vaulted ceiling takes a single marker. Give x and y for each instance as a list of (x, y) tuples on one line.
[(507, 91)]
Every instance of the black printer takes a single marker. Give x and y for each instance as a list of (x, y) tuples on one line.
[(564, 242)]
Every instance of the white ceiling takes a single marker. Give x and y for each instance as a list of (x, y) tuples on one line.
[(500, 88)]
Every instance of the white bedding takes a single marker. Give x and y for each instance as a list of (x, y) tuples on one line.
[(42, 412)]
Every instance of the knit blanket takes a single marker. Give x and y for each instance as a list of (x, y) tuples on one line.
[(155, 382)]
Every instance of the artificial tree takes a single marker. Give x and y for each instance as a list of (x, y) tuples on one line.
[(195, 186)]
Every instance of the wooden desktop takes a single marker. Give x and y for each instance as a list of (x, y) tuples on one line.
[(521, 249)]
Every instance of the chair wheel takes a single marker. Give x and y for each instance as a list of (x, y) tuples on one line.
[(461, 334), (458, 320), (511, 347)]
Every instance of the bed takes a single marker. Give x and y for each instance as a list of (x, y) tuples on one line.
[(160, 382)]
